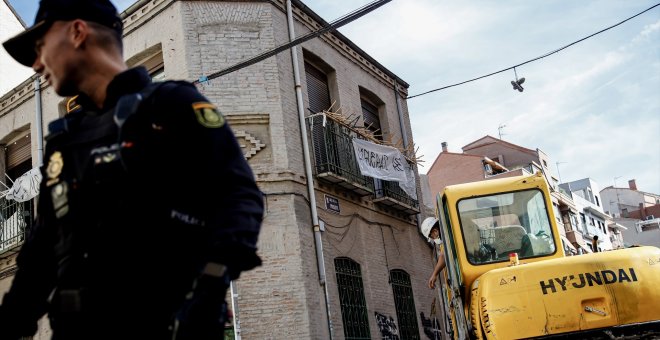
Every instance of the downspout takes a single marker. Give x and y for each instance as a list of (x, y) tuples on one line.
[(318, 242), (39, 121)]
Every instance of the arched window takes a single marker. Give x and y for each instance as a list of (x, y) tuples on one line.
[(405, 304), (351, 297)]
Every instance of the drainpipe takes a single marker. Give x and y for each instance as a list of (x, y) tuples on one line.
[(318, 242), (39, 121)]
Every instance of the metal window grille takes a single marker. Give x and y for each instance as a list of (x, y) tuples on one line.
[(15, 217), (405, 304), (333, 150), (351, 296)]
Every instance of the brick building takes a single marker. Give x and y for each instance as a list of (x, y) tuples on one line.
[(361, 270)]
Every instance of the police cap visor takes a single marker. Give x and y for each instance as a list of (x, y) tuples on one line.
[(21, 47)]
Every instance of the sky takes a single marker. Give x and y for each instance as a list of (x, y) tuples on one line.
[(593, 108)]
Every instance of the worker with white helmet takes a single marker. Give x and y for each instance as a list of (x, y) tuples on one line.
[(431, 229)]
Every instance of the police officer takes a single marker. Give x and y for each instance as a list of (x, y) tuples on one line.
[(147, 208)]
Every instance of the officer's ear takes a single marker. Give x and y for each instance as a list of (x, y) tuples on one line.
[(78, 32)]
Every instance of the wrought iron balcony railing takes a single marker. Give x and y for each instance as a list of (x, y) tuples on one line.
[(15, 217), (334, 156), (335, 161), (390, 193)]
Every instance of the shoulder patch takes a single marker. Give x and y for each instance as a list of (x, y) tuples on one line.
[(208, 115)]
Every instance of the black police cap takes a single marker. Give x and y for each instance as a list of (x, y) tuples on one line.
[(21, 46)]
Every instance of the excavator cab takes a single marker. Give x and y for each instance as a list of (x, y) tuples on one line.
[(495, 226)]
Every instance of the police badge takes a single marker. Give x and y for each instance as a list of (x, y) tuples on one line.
[(54, 168)]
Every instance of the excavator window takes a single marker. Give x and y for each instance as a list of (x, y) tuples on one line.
[(494, 226)]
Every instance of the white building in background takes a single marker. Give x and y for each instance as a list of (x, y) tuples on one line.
[(12, 72), (637, 211), (592, 220), (618, 202)]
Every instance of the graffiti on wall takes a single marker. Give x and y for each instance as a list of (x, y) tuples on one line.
[(431, 326), (387, 327)]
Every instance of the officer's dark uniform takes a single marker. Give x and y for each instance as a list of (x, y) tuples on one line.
[(136, 198)]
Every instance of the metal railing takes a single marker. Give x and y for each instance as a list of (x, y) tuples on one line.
[(393, 190), (334, 153), (15, 217), (333, 150)]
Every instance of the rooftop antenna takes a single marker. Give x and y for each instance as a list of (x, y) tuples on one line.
[(559, 173), (499, 130)]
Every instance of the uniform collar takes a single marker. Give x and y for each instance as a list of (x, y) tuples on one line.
[(130, 81)]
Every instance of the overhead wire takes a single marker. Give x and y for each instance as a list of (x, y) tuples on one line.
[(537, 58)]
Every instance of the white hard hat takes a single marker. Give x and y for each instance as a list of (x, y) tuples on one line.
[(427, 225)]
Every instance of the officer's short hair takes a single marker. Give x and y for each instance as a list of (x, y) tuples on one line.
[(106, 36)]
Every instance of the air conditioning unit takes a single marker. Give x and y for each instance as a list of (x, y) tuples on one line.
[(650, 217)]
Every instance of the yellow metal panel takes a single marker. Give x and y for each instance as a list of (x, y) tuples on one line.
[(571, 294)]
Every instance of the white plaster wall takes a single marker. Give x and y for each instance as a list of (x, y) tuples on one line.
[(12, 72)]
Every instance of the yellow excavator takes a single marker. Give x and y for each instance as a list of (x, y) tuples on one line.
[(507, 276)]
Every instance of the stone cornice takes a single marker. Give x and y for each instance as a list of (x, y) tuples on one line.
[(141, 12), (19, 94)]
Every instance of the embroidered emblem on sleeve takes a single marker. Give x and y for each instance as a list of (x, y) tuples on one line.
[(208, 115)]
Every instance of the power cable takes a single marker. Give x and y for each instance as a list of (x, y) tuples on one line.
[(537, 58), (326, 28)]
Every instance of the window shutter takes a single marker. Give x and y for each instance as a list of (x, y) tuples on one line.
[(317, 89), (371, 119), (19, 151)]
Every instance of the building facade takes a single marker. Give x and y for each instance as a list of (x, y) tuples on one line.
[(618, 202), (343, 257), (637, 211), (593, 221), (642, 226)]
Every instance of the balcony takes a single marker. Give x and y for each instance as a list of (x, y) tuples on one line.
[(592, 231), (335, 162), (390, 194), (575, 237), (334, 156), (15, 217)]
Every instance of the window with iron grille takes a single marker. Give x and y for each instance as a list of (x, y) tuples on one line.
[(15, 217), (405, 304), (351, 297)]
